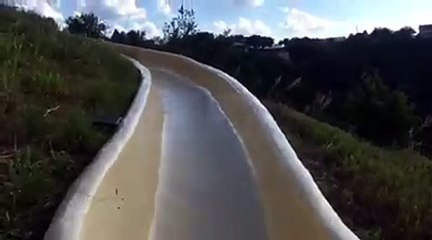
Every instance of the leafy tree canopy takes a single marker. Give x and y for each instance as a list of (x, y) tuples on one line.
[(86, 24), (181, 26)]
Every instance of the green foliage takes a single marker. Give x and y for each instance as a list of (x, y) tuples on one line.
[(86, 24), (405, 32), (77, 129), (181, 26), (133, 37), (34, 124), (48, 83), (381, 194), (381, 115), (52, 86), (29, 178), (256, 41)]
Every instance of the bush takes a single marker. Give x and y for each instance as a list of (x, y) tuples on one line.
[(381, 115)]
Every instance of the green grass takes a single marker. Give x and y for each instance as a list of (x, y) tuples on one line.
[(52, 86), (381, 194)]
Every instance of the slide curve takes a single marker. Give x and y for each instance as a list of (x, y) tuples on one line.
[(197, 157)]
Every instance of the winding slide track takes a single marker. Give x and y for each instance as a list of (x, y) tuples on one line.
[(197, 158)]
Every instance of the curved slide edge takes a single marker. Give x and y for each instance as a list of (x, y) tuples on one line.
[(69, 217), (291, 163), (295, 207)]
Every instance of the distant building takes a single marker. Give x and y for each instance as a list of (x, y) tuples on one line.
[(242, 46), (336, 39), (239, 44), (330, 39), (425, 31), (279, 50)]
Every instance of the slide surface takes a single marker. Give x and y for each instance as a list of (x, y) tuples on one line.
[(198, 158)]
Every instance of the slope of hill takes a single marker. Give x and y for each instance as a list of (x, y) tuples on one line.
[(380, 194), (53, 87)]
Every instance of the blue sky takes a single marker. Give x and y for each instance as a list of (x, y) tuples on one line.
[(276, 18)]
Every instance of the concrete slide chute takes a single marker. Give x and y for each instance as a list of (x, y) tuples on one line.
[(197, 158)]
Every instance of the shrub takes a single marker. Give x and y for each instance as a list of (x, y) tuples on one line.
[(381, 115)]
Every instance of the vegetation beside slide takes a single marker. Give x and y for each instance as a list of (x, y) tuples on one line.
[(53, 86), (373, 86), (380, 194), (371, 171)]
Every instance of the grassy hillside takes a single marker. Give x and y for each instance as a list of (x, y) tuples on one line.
[(380, 194), (52, 87)]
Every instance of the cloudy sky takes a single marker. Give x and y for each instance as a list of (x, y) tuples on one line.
[(276, 18)]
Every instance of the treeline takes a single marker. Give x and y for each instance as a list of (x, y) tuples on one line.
[(377, 85)]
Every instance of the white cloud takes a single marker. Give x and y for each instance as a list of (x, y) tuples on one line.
[(220, 26), (244, 26), (249, 3), (299, 23), (165, 7), (47, 8), (121, 14), (412, 19), (114, 9), (148, 27)]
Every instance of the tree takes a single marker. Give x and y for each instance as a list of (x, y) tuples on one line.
[(133, 37), (381, 115), (284, 42), (381, 34), (136, 38), (237, 39), (359, 36), (119, 37), (86, 24), (226, 32), (157, 40), (180, 26), (257, 41), (405, 33)]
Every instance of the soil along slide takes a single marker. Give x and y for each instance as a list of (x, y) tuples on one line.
[(204, 160)]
